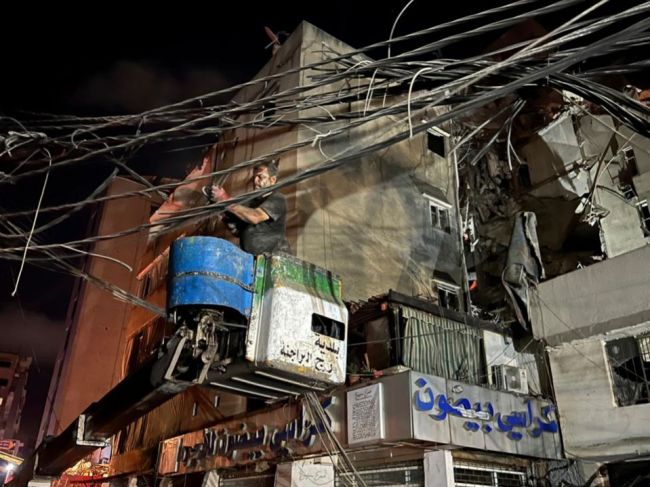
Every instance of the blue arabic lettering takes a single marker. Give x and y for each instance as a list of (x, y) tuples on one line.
[(548, 424), (445, 408), (442, 406), (516, 419), (421, 405)]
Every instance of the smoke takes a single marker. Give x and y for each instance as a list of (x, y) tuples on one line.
[(30, 333), (130, 86)]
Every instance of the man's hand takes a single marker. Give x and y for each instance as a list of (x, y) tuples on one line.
[(219, 194)]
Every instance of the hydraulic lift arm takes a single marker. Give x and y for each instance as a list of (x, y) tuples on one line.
[(177, 367)]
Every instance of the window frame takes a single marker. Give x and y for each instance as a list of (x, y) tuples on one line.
[(642, 349), (440, 134), (448, 288), (440, 207)]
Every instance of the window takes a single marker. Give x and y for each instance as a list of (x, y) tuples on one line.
[(629, 360), (436, 142), (403, 474), (447, 293), (628, 166), (470, 475), (439, 214), (523, 176), (154, 275), (4, 382), (628, 191), (327, 326), (236, 479)]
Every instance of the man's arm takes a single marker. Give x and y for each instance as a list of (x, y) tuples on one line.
[(244, 213), (249, 215)]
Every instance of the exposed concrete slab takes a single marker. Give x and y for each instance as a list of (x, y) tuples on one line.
[(603, 297), (551, 156), (593, 426), (620, 230)]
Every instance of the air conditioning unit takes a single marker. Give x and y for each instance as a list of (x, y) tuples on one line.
[(509, 378)]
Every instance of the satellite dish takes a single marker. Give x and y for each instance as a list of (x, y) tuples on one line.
[(274, 38)]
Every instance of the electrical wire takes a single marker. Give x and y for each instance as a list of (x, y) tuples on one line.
[(456, 78)]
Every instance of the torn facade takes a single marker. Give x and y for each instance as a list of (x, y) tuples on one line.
[(584, 176)]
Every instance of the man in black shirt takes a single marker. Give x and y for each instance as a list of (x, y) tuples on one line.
[(261, 226)]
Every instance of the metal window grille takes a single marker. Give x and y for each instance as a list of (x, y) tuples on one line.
[(471, 475), (407, 474), (448, 298)]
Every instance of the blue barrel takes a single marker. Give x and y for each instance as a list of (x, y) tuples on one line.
[(209, 271)]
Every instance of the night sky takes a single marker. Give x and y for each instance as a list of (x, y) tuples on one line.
[(102, 59)]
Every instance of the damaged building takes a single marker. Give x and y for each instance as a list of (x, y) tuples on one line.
[(463, 302), (560, 192), (582, 176), (383, 222), (389, 225)]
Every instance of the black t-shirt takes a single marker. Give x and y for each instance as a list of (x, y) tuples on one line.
[(269, 235)]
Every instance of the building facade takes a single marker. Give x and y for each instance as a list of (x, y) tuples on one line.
[(89, 363), (14, 371), (382, 221), (435, 395), (432, 412), (596, 323)]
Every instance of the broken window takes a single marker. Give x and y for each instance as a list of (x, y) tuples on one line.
[(448, 294), (523, 176), (439, 214), (436, 142), (629, 360), (143, 343)]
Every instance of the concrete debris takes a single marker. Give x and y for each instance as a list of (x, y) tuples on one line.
[(584, 175), (524, 266)]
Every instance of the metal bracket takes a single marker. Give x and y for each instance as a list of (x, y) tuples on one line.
[(81, 434), (169, 373)]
